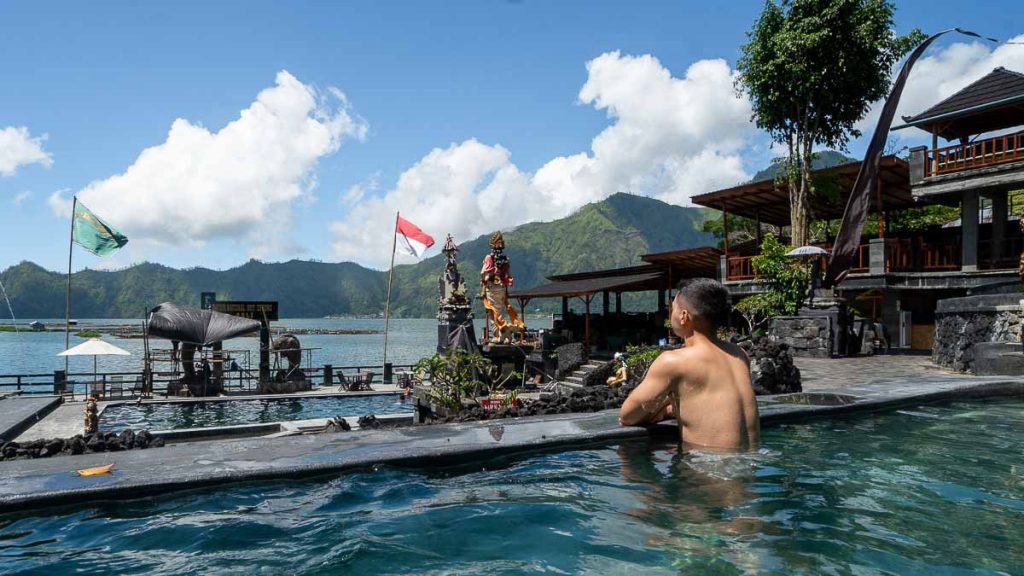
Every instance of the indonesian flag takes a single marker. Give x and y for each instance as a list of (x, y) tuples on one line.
[(411, 239)]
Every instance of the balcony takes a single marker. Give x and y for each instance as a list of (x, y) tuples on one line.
[(992, 163), (932, 251), (979, 154)]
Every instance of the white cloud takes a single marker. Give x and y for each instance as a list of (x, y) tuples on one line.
[(669, 138), (19, 148), (941, 73), (236, 183), (356, 192), (20, 197)]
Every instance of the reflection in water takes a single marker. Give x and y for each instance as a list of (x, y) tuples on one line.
[(699, 498)]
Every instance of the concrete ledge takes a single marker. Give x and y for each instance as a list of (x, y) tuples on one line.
[(31, 484), (981, 303), (998, 358), (19, 413), (284, 427)]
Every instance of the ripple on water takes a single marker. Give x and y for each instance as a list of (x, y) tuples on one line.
[(895, 493)]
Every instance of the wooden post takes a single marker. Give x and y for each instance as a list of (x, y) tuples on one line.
[(881, 210), (935, 146), (586, 323), (604, 304), (725, 229), (757, 232)]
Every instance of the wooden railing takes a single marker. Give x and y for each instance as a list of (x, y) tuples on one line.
[(979, 154), (739, 268), (861, 259), (914, 255)]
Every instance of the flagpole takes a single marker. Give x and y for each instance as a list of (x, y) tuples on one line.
[(67, 296), (387, 304)]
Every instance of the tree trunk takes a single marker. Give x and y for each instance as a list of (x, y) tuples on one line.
[(800, 190)]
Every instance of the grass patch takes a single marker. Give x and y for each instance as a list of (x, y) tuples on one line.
[(13, 329), (87, 334)]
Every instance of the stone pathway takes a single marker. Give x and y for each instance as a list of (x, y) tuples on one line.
[(821, 373)]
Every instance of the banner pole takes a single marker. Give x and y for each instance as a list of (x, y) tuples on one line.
[(67, 295), (387, 304)]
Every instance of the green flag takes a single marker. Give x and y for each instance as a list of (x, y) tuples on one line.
[(94, 234)]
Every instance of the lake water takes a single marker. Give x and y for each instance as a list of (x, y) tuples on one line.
[(409, 339)]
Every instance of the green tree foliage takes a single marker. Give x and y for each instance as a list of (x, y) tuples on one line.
[(811, 69), (785, 283), (457, 377)]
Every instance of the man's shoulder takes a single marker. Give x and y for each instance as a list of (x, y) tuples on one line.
[(734, 350)]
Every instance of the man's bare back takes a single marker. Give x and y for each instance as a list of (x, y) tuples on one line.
[(705, 385)]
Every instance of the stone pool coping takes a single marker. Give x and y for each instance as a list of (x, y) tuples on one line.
[(33, 484)]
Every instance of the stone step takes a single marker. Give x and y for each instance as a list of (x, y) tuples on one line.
[(574, 379)]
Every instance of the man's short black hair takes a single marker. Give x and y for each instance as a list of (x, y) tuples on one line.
[(707, 299)]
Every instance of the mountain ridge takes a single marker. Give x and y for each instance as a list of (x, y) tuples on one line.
[(607, 234)]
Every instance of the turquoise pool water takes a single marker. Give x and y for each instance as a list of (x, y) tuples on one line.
[(929, 490), (174, 416)]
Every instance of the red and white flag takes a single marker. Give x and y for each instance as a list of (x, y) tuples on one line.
[(411, 239)]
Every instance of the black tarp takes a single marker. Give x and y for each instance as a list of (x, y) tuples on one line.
[(848, 238), (197, 326)]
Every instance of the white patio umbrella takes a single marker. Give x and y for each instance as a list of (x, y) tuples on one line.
[(95, 347), (808, 251)]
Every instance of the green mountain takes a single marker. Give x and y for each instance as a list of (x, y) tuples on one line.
[(607, 234), (823, 159)]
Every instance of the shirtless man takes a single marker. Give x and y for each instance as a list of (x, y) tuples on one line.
[(706, 384)]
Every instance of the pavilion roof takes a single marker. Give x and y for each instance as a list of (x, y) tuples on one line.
[(992, 102), (770, 200), (689, 262), (586, 283)]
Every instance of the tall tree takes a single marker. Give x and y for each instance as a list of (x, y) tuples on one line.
[(811, 69)]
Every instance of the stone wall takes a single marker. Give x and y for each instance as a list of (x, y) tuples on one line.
[(962, 323), (804, 335)]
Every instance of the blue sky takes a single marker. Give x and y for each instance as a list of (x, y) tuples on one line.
[(464, 115)]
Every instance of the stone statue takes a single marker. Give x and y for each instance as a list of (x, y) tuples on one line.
[(292, 379), (92, 419), (454, 311), (495, 278)]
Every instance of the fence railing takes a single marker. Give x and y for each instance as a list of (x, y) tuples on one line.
[(123, 385), (978, 154)]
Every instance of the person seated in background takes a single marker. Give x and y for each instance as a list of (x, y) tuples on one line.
[(705, 385), (621, 373)]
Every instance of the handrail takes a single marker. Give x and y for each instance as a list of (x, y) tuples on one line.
[(978, 154), (739, 268)]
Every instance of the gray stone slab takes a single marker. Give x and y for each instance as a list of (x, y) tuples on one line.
[(17, 413), (30, 484)]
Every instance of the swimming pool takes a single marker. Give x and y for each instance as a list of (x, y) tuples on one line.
[(178, 415), (928, 490)]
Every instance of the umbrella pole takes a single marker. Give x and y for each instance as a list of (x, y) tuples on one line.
[(94, 373)]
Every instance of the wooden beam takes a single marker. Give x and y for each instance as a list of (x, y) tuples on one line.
[(881, 210), (725, 228), (586, 324)]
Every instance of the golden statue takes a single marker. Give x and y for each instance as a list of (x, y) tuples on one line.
[(621, 374), (495, 278)]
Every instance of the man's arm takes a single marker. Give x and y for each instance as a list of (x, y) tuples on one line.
[(647, 403)]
